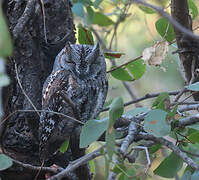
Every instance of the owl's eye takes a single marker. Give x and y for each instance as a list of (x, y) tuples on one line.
[(70, 62)]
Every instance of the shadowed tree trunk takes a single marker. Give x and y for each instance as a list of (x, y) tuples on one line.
[(34, 59), (188, 48)]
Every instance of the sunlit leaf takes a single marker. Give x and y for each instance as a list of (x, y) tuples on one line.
[(91, 131), (137, 68), (194, 137), (64, 146), (121, 74), (147, 9), (6, 47), (85, 36), (116, 110), (155, 123), (154, 148), (92, 167), (194, 9), (110, 143), (165, 29), (159, 103), (169, 167), (100, 19), (5, 162)]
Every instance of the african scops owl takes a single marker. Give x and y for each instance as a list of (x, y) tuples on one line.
[(77, 87)]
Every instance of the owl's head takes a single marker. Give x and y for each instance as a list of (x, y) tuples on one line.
[(83, 61)]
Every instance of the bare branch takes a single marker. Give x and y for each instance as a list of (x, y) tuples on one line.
[(189, 120), (147, 96), (171, 146), (75, 164)]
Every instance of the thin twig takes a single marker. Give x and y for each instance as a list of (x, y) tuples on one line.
[(168, 17), (20, 85), (147, 96), (61, 114), (135, 59), (147, 156)]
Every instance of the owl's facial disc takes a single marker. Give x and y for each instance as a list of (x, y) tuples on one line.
[(82, 69)]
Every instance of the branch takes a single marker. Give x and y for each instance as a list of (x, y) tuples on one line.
[(75, 164), (188, 121), (147, 96), (171, 146), (169, 18), (26, 16), (135, 59)]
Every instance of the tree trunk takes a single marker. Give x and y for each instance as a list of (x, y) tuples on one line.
[(34, 59), (188, 48)]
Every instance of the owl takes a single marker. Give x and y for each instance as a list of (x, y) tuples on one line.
[(77, 88)]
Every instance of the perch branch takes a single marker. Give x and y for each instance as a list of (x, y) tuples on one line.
[(75, 164)]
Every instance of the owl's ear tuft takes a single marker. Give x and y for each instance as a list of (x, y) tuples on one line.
[(96, 49)]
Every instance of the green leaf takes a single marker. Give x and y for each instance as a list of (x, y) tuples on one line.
[(78, 9), (107, 165), (159, 102), (147, 9), (110, 143), (194, 9), (5, 162), (90, 12), (169, 167), (194, 126), (137, 68), (100, 19), (64, 146), (91, 131), (116, 110), (97, 3), (194, 137), (136, 111), (92, 167), (156, 124), (173, 112), (119, 167), (113, 55), (165, 29), (131, 175), (6, 47), (121, 74), (186, 176), (154, 148), (4, 80), (195, 175), (193, 87), (85, 36)]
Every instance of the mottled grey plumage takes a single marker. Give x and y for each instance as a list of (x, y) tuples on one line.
[(79, 74)]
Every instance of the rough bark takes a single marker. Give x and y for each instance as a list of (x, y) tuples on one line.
[(188, 48), (34, 59)]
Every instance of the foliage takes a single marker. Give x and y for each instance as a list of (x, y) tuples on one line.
[(160, 119)]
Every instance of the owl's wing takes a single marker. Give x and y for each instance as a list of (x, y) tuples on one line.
[(53, 126)]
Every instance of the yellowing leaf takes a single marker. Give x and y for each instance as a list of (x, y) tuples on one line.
[(156, 54)]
